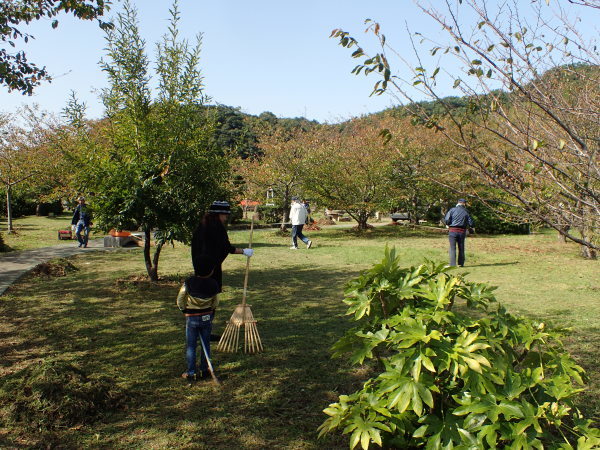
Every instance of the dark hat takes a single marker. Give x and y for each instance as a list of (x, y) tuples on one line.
[(204, 264), (202, 287), (220, 207), (295, 199), (462, 200)]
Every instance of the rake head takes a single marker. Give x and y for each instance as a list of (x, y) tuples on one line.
[(241, 317)]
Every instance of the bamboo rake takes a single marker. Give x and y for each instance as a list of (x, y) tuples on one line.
[(242, 317)]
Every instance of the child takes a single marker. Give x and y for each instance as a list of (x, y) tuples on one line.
[(198, 300)]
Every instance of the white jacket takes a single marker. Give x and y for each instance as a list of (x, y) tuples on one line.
[(298, 214)]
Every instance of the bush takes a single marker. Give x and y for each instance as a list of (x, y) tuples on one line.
[(445, 379), (21, 204), (43, 209), (237, 213), (488, 222), (270, 214), (56, 394)]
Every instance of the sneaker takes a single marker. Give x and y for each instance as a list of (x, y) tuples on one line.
[(309, 244), (293, 248)]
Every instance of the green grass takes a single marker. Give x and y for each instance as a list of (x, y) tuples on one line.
[(33, 232), (130, 329)]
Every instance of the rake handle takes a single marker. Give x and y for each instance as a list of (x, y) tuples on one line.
[(248, 263)]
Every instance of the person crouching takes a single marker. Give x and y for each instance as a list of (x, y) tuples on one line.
[(198, 300)]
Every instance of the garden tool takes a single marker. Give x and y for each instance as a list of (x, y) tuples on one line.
[(242, 317), (210, 367)]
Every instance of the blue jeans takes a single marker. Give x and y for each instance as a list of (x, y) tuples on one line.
[(297, 233), (83, 240), (457, 239), (197, 327)]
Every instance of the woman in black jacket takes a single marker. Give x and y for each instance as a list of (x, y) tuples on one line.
[(211, 238)]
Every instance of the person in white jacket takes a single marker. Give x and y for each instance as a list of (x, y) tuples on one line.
[(298, 215)]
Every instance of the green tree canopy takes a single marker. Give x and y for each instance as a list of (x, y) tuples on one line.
[(156, 166)]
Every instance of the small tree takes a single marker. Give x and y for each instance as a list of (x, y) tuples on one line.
[(156, 167)]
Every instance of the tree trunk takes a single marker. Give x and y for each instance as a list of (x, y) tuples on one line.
[(362, 221), (562, 234), (286, 216), (414, 215), (586, 250), (151, 262), (9, 222), (286, 211)]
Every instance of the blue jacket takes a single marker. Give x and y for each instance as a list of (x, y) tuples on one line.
[(458, 217)]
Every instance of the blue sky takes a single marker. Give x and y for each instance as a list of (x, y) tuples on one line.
[(267, 55)]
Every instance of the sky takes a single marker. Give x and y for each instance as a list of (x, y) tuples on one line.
[(266, 55)]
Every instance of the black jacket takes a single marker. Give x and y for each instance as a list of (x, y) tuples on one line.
[(82, 214), (212, 240), (459, 217)]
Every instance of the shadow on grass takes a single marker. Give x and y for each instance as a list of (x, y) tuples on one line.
[(382, 232), (492, 264)]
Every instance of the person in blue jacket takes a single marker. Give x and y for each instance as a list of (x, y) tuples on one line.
[(458, 221), (81, 221)]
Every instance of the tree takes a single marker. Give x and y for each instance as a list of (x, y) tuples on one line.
[(347, 167), (155, 167), (535, 140), (278, 167), (233, 132), (25, 154), (421, 175), (16, 72)]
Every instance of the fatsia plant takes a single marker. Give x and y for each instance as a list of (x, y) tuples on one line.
[(447, 378)]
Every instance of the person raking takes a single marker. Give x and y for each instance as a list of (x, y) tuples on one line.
[(210, 238)]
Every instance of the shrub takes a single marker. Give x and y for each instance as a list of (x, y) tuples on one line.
[(444, 379), (270, 214), (488, 222), (237, 213), (43, 209), (55, 394)]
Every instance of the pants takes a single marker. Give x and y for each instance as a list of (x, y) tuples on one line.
[(83, 240), (197, 327), (457, 239), (297, 233)]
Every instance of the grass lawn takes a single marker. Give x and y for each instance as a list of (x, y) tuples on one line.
[(106, 316), (33, 231)]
